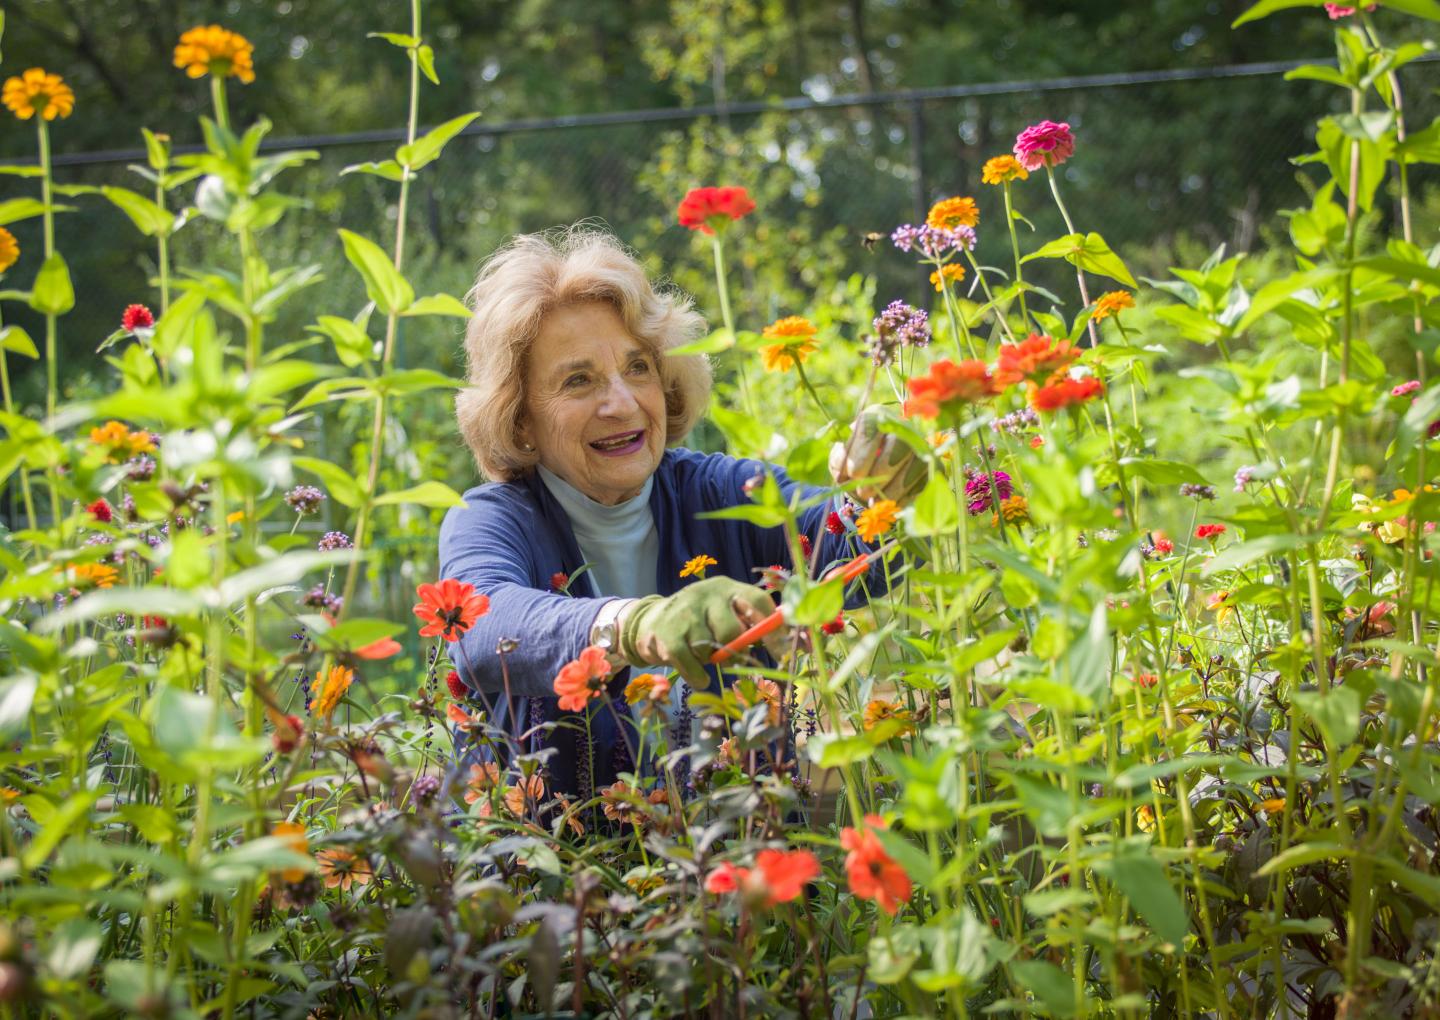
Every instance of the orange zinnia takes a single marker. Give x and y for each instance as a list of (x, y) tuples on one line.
[(449, 608), (293, 833), (873, 873), (483, 778), (580, 680), (530, 790), (949, 213), (947, 386), (786, 873), (1112, 303), (1062, 394), (877, 519), (1036, 359)]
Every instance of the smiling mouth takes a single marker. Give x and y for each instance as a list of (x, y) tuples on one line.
[(622, 442)]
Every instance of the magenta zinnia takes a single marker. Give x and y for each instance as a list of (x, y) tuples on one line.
[(982, 495), (1045, 144)]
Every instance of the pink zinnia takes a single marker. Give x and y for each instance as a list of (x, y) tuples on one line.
[(1045, 144), (1405, 388), (1338, 11)]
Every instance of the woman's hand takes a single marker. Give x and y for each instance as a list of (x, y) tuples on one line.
[(896, 471), (682, 630)]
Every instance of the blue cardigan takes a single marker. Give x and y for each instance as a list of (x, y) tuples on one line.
[(510, 538)]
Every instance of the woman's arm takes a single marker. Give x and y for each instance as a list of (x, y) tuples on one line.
[(486, 545)]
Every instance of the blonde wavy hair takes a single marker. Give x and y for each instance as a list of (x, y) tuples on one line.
[(526, 279)]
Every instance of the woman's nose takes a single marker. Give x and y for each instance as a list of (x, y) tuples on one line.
[(617, 400)]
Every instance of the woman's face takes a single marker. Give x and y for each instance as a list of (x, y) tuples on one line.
[(594, 402)]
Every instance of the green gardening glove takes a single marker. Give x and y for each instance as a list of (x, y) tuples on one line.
[(682, 630)]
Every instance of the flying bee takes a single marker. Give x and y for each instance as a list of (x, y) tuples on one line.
[(871, 239)]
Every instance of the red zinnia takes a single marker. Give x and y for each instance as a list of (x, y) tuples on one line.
[(1164, 546), (948, 385), (834, 524), (835, 626), (1037, 359), (873, 873), (580, 680), (449, 608), (1209, 531), (458, 688), (136, 317), (711, 209), (805, 546), (101, 511), (559, 581), (726, 878), (1062, 394)]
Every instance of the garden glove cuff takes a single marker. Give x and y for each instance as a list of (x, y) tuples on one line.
[(682, 630), (896, 471)]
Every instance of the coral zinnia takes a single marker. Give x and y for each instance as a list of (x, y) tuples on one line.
[(873, 873), (449, 608), (947, 386), (210, 48), (582, 679), (1066, 392), (1206, 531), (342, 869), (1112, 303), (948, 213), (37, 92), (337, 682), (136, 317), (1036, 359), (1045, 144), (779, 876), (877, 519), (710, 209), (1002, 169), (9, 249)]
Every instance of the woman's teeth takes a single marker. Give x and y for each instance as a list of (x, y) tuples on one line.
[(618, 442)]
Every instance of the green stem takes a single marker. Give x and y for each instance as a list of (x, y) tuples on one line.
[(1015, 249), (1079, 273)]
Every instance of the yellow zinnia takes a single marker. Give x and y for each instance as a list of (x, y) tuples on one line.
[(336, 684), (877, 519), (878, 710), (1112, 303), (952, 271), (210, 48), (799, 336), (37, 92), (949, 213), (93, 575), (293, 833), (9, 249), (1001, 169), (695, 567)]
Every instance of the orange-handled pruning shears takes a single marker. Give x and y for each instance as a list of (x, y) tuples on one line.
[(844, 573)]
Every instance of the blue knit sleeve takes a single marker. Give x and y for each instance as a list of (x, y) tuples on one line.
[(487, 543)]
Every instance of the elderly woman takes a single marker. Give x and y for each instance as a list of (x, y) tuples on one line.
[(574, 409)]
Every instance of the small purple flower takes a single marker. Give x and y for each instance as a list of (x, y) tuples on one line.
[(933, 242), (978, 491), (1016, 422), (905, 236), (333, 540), (1196, 491), (1244, 476), (140, 469), (318, 598), (425, 788), (305, 499), (908, 325)]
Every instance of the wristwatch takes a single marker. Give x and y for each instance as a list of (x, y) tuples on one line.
[(605, 631)]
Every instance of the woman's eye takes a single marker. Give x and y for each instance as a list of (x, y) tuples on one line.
[(574, 381), (640, 367)]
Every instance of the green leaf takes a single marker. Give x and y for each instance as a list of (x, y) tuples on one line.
[(1242, 554), (352, 345), (891, 955), (720, 340), (414, 380), (148, 217), (821, 603), (935, 511), (133, 601), (432, 494), (21, 171), (358, 633), (71, 811), (1086, 251), (1302, 854), (53, 293), (1047, 805), (425, 57), (1143, 881), (388, 169), (174, 327), (428, 146), (1048, 983), (747, 436), (390, 291), (1265, 8), (1405, 269), (405, 42), (17, 695), (283, 570), (1161, 472), (1427, 9), (1336, 712), (834, 750), (17, 341), (340, 484), (73, 948), (17, 209), (439, 304)]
